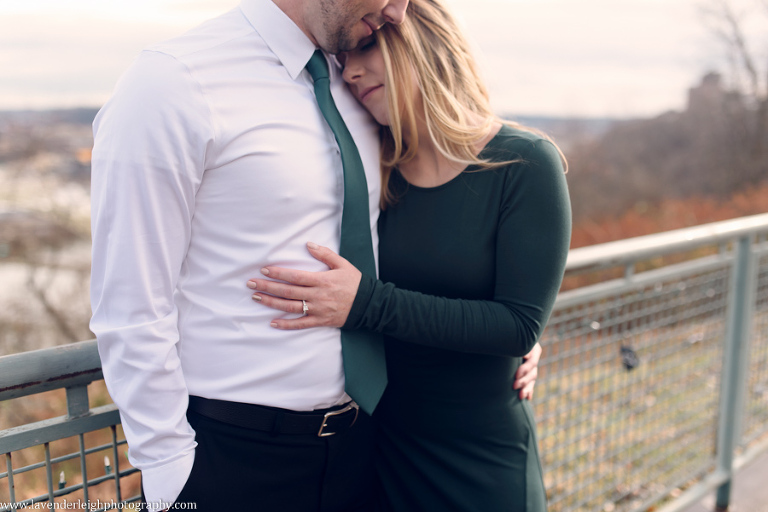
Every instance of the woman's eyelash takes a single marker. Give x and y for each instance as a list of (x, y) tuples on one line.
[(366, 45)]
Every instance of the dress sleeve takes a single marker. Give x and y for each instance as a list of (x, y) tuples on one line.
[(150, 142), (533, 235)]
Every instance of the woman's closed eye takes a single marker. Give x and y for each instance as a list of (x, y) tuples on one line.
[(367, 44)]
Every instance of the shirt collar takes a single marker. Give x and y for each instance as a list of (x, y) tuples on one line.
[(284, 38)]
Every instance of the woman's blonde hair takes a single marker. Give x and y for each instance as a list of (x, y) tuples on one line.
[(429, 49)]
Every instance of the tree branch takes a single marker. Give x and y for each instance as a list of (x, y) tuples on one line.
[(55, 315), (727, 25)]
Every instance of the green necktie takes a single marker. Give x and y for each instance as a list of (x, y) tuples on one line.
[(364, 363)]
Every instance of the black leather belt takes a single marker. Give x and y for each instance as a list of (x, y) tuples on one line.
[(322, 423)]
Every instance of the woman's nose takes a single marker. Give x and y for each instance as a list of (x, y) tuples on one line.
[(352, 71)]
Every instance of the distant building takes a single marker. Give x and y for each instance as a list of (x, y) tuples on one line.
[(710, 97)]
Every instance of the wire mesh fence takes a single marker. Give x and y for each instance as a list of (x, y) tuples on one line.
[(629, 393), (628, 402), (756, 410), (84, 472)]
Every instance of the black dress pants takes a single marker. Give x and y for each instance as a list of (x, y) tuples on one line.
[(243, 469)]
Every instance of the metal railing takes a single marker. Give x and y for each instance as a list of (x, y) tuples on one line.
[(653, 388), (653, 384), (72, 368)]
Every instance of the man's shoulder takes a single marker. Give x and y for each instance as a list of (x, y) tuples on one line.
[(208, 36)]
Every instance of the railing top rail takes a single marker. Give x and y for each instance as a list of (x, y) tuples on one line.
[(633, 249), (32, 372)]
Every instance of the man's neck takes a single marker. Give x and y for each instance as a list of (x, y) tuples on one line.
[(295, 9)]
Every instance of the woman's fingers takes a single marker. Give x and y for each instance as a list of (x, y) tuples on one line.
[(279, 289), (527, 392), (302, 277), (304, 322), (534, 355), (326, 255), (525, 376), (290, 275), (289, 306)]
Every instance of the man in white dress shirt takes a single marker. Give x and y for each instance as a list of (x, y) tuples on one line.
[(212, 160)]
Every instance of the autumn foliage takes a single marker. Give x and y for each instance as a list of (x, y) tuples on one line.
[(674, 213)]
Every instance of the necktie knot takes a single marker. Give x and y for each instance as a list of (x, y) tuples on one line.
[(317, 66)]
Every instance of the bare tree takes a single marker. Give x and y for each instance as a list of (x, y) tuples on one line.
[(34, 241), (38, 279), (728, 23)]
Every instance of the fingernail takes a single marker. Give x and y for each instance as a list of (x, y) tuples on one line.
[(312, 245), (251, 285), (273, 324), (265, 271), (257, 298)]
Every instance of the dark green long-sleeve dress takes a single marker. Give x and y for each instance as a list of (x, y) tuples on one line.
[(469, 273)]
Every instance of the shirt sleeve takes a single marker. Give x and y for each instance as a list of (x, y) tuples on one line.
[(150, 144), (533, 236)]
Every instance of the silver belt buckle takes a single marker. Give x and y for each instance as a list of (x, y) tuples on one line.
[(351, 405)]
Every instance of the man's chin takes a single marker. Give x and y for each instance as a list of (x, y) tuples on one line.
[(333, 47), (343, 41), (346, 42)]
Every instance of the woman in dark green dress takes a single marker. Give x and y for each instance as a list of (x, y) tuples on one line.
[(474, 235)]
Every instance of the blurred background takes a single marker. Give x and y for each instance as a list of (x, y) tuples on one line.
[(660, 106)]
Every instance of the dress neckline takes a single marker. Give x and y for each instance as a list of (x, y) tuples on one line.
[(456, 178)]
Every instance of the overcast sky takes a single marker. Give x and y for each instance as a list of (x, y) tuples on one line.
[(593, 58)]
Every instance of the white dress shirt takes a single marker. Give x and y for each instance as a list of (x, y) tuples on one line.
[(212, 160)]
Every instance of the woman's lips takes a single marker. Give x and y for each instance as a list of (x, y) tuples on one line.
[(367, 92)]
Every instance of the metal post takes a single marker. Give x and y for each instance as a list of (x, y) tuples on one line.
[(49, 473), (116, 463), (84, 471), (11, 486), (733, 386), (77, 401)]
